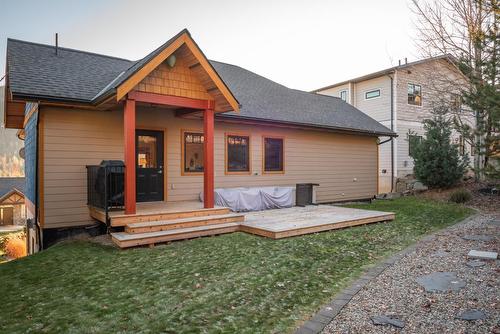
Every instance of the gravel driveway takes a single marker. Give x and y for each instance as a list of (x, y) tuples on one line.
[(396, 292)]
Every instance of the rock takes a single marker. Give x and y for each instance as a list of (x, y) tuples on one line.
[(494, 222), (419, 186), (388, 196), (440, 253), (478, 237), (383, 320), (475, 254), (471, 315), (401, 186), (440, 282), (475, 263)]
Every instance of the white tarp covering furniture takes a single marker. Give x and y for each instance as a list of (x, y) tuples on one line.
[(254, 198)]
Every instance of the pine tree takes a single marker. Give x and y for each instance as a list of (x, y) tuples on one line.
[(438, 163)]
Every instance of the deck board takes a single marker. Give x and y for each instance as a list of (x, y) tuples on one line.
[(281, 223)]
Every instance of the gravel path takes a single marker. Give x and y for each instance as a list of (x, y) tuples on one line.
[(395, 292)]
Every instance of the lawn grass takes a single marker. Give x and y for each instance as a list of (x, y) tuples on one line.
[(235, 283)]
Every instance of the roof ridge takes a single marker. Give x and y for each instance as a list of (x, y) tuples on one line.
[(316, 94), (254, 73), (384, 71), (68, 49)]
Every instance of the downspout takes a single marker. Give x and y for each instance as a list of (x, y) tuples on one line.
[(37, 194), (392, 129)]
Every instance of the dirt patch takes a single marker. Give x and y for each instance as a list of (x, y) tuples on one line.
[(480, 201), (104, 239)]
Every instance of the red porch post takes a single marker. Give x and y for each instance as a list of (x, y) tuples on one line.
[(208, 167), (129, 141)]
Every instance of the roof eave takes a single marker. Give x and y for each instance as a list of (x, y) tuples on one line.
[(310, 125)]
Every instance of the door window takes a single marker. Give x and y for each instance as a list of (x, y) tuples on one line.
[(146, 152)]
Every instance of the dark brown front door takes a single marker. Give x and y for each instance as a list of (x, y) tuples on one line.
[(7, 215), (149, 162)]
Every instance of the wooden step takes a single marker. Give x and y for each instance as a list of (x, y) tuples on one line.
[(164, 225), (124, 240), (122, 219)]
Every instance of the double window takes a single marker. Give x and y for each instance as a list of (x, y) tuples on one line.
[(372, 94), (192, 146), (414, 94), (237, 153), (273, 155)]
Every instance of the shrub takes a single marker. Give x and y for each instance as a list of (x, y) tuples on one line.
[(15, 247), (438, 163), (4, 237), (460, 196)]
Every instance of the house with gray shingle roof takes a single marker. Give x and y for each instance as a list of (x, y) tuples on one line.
[(181, 125), (12, 209)]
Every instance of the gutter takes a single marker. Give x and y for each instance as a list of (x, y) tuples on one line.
[(312, 126)]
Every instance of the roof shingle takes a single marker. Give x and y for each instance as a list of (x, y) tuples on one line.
[(9, 183), (35, 71)]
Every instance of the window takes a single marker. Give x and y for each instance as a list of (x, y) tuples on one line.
[(413, 142), (456, 103), (273, 155), (193, 152), (343, 95), (372, 94), (237, 153), (414, 94), (472, 150), (146, 152)]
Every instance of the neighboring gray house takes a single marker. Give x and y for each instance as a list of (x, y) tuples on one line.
[(400, 98)]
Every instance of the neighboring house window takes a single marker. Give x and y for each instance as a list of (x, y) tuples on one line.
[(456, 103), (237, 153), (343, 95), (415, 94), (413, 142), (372, 94), (192, 147), (461, 145), (273, 154), (472, 150)]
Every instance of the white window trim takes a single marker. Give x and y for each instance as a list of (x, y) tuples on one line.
[(346, 95), (372, 90)]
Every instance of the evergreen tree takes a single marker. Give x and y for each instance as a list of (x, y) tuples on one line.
[(438, 163)]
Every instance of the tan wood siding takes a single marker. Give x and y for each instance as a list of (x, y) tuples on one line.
[(344, 165), (73, 139)]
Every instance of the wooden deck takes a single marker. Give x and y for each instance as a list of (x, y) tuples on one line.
[(282, 223), (163, 222), (156, 211)]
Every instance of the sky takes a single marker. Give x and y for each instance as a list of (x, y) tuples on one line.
[(303, 44)]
